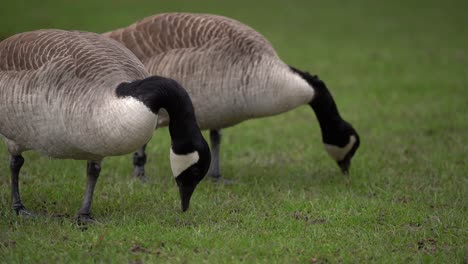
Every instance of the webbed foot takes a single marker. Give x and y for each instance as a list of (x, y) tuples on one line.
[(23, 212), (85, 219), (139, 174)]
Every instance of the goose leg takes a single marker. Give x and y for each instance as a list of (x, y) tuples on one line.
[(84, 214), (139, 161), (16, 162), (215, 138), (215, 173)]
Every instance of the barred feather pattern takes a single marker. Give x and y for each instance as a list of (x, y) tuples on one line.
[(231, 71), (57, 96)]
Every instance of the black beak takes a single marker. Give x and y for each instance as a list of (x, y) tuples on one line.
[(344, 165), (185, 195)]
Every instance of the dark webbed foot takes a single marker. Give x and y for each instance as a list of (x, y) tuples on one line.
[(23, 212), (139, 174), (85, 219)]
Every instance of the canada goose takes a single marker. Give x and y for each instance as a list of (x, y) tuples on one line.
[(232, 74), (79, 95)]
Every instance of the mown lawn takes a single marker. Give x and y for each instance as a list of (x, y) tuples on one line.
[(399, 73)]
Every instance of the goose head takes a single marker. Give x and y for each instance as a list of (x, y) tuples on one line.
[(341, 145), (189, 164)]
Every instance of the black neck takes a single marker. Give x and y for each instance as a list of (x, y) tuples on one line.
[(158, 92), (324, 107)]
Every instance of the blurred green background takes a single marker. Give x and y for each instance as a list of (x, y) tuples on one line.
[(399, 73)]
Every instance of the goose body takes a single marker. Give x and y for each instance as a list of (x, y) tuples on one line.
[(58, 98), (232, 74), (78, 95), (231, 71)]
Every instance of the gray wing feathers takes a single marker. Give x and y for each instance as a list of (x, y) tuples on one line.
[(214, 55), (164, 32), (52, 81), (89, 53), (197, 46), (64, 65)]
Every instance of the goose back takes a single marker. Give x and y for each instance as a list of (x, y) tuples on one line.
[(230, 70), (57, 95)]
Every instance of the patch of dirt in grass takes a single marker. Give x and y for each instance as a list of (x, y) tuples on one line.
[(414, 226), (318, 260), (308, 219), (136, 261), (198, 250), (434, 219), (8, 244), (427, 245), (403, 199), (137, 248), (235, 211)]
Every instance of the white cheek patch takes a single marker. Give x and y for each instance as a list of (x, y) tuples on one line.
[(338, 153), (179, 163)]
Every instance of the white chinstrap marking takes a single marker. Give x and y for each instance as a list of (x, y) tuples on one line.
[(338, 153), (180, 163)]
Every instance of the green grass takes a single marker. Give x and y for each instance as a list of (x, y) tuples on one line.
[(399, 73)]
